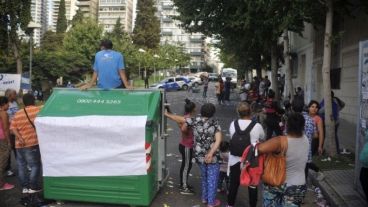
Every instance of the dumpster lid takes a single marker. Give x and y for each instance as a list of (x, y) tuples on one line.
[(117, 102)]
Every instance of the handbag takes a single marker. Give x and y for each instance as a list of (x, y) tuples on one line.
[(274, 169)]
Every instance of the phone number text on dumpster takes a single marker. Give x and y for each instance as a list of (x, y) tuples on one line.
[(98, 101)]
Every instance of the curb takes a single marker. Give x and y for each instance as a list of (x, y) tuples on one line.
[(329, 193)]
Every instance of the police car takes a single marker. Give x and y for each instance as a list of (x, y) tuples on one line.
[(173, 83)]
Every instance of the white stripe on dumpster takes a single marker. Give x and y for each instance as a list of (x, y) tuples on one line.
[(92, 145)]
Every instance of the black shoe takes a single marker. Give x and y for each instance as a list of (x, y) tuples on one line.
[(186, 191), (187, 186)]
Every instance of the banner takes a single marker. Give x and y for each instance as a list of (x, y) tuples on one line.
[(92, 145), (362, 122), (11, 81)]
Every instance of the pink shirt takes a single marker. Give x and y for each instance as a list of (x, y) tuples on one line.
[(187, 138), (317, 119)]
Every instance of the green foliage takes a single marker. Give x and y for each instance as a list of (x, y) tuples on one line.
[(14, 14), (118, 29), (146, 32), (52, 41), (49, 65), (78, 17), (61, 23), (247, 29), (83, 38)]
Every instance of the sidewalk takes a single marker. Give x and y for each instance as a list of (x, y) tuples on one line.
[(338, 189)]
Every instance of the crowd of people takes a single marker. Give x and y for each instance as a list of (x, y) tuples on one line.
[(18, 135), (299, 124)]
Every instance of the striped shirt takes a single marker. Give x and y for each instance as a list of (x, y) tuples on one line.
[(21, 123)]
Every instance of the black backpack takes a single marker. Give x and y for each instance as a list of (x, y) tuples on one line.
[(240, 139)]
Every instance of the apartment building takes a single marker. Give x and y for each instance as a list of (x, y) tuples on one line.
[(39, 16), (111, 10), (89, 8), (171, 33), (71, 7)]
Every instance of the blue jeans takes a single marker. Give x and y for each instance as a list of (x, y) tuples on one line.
[(29, 156)]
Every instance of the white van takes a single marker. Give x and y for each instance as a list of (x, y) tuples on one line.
[(232, 73)]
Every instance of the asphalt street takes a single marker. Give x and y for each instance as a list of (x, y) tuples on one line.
[(169, 195)]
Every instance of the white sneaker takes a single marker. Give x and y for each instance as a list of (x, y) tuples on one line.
[(9, 173), (34, 191), (25, 190)]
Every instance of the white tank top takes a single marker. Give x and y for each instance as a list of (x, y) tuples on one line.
[(296, 159)]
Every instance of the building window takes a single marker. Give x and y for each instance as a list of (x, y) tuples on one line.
[(335, 77), (294, 65)]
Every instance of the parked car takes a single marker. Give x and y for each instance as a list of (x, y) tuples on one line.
[(172, 83), (213, 76), (195, 81)]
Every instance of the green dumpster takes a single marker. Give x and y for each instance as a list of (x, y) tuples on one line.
[(103, 146)]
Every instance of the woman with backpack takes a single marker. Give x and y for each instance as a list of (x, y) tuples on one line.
[(243, 132)]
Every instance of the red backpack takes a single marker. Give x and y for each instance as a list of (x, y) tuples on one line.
[(252, 167)]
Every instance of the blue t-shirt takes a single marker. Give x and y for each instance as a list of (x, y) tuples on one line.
[(107, 65)]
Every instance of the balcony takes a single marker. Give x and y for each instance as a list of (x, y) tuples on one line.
[(166, 33), (196, 53), (167, 6), (196, 40), (167, 20)]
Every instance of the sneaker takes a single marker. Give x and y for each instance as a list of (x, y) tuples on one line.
[(188, 186), (10, 173), (34, 190), (25, 190), (7, 186), (217, 203), (186, 191)]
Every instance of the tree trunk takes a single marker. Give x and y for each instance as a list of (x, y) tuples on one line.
[(275, 84), (17, 57), (329, 121), (258, 67), (289, 83)]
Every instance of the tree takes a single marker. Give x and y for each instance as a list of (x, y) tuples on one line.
[(326, 65), (118, 29), (50, 65), (83, 38), (52, 41), (146, 32), (78, 17), (61, 23), (248, 29), (15, 15)]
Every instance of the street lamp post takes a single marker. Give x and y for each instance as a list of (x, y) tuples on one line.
[(31, 26)]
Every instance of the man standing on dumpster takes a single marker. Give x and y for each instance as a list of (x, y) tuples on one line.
[(108, 69)]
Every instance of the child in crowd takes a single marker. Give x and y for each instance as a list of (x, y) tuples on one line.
[(11, 94), (224, 154), (186, 149), (4, 142)]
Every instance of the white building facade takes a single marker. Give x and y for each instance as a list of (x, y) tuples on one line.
[(71, 7), (194, 44), (39, 16), (307, 58), (111, 10)]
